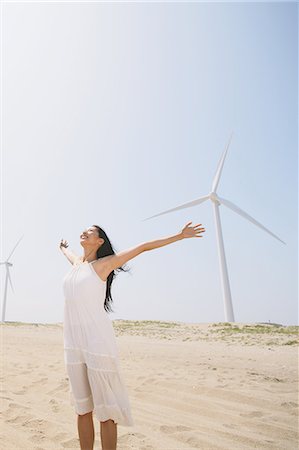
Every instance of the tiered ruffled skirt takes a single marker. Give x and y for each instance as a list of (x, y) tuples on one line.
[(96, 384)]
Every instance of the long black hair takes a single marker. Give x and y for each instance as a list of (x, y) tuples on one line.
[(105, 250)]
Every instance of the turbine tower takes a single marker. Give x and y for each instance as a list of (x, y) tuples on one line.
[(216, 201), (7, 266)]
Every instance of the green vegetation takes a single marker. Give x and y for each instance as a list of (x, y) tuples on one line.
[(144, 324), (256, 329), (249, 333), (291, 343), (22, 323), (269, 334), (35, 324)]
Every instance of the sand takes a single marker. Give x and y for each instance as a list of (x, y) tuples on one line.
[(191, 386)]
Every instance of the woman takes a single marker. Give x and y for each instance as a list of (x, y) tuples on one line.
[(90, 348)]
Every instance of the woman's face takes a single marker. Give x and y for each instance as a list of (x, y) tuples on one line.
[(90, 238)]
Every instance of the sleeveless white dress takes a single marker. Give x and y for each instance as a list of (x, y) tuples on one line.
[(90, 349)]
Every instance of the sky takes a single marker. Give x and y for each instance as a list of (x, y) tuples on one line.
[(114, 112)]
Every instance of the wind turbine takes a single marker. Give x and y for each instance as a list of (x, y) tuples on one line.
[(216, 201), (7, 266)]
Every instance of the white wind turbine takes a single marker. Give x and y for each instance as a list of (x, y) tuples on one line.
[(7, 266), (216, 201)]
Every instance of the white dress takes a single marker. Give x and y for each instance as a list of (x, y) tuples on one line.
[(90, 349)]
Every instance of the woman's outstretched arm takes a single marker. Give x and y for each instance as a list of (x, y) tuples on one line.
[(186, 232), (119, 259), (67, 252)]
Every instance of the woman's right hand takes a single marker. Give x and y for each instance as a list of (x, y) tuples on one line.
[(63, 244)]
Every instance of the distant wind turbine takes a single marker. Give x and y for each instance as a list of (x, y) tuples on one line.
[(7, 266), (216, 201)]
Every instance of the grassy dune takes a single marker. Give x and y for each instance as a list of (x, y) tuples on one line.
[(247, 334)]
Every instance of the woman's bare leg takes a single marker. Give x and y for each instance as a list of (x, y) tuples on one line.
[(86, 431), (108, 435)]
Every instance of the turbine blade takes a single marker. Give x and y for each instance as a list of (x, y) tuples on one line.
[(247, 216), (15, 247), (185, 205), (220, 166), (8, 275)]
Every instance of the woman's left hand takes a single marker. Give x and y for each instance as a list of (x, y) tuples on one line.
[(192, 231)]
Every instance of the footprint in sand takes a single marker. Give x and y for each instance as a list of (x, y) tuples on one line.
[(16, 413), (38, 437), (292, 404), (30, 366), (71, 443), (182, 434), (41, 381), (58, 438), (140, 378), (63, 386), (16, 406), (127, 438), (253, 414), (139, 435), (230, 425), (273, 379), (18, 419), (36, 424), (174, 429), (151, 380), (5, 398), (54, 405), (22, 391), (136, 441), (146, 382)]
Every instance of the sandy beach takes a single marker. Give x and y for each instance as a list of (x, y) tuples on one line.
[(191, 386)]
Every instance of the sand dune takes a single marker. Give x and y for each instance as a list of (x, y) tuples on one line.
[(191, 386)]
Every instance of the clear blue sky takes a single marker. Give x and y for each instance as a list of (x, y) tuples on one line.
[(113, 112)]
